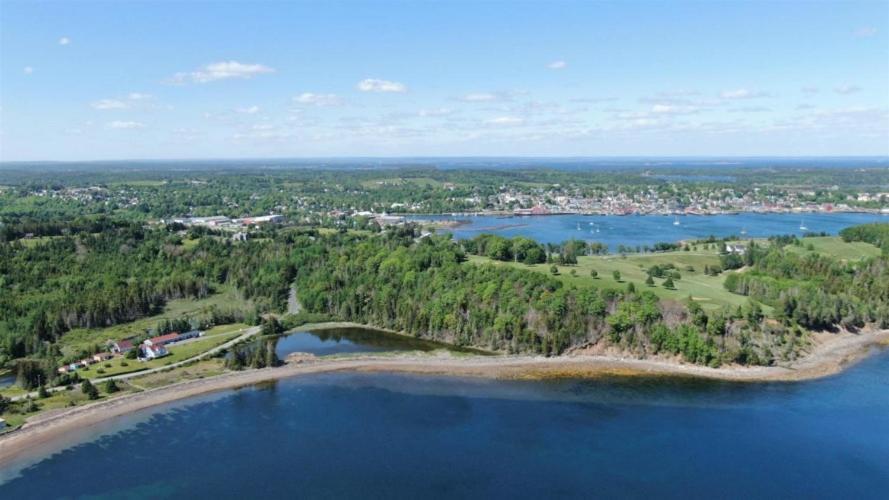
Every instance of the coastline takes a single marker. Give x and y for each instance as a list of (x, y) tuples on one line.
[(830, 356)]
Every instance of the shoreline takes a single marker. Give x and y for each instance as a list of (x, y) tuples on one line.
[(831, 356)]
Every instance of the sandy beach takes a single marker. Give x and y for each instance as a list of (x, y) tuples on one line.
[(831, 354)]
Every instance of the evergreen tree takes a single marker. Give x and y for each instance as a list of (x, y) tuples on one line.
[(89, 390)]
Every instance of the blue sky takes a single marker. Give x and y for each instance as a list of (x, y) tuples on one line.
[(118, 80)]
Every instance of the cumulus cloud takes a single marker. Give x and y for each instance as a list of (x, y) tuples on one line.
[(557, 65), (64, 40), (125, 125), (138, 96), (28, 70), (377, 85), (742, 94), (320, 100), (847, 89), (249, 110), (106, 104), (224, 70)]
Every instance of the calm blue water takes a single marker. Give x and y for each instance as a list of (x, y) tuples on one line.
[(390, 436), (7, 380), (350, 340), (633, 230)]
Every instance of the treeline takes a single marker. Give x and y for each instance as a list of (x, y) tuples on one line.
[(125, 273), (428, 290), (876, 234), (528, 251), (15, 228)]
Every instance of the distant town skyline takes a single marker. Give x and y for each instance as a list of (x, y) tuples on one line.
[(169, 80)]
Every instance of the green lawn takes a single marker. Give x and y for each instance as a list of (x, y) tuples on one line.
[(835, 246), (60, 399), (84, 338), (706, 290), (178, 352)]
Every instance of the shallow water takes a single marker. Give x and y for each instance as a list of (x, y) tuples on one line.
[(633, 230), (350, 340), (403, 436)]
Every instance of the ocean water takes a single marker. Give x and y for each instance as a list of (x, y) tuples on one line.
[(402, 436), (633, 230)]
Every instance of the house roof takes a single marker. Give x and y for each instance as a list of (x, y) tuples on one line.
[(163, 339), (125, 344)]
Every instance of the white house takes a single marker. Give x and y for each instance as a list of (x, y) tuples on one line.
[(154, 351)]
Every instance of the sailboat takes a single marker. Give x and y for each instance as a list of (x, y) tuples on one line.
[(802, 226), (676, 221), (578, 226), (743, 230)]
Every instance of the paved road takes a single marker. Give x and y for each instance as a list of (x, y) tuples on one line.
[(247, 333)]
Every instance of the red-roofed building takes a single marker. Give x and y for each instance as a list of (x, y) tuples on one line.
[(163, 339)]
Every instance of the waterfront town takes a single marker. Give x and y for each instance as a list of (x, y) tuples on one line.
[(669, 199)]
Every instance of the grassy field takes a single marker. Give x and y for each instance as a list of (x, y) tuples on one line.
[(836, 247), (63, 399), (84, 338), (178, 352), (706, 290), (199, 369)]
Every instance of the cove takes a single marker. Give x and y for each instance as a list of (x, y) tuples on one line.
[(351, 340), (633, 230), (402, 436)]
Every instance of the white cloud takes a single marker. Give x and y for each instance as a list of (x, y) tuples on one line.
[(505, 121), (376, 85), (28, 70), (320, 100), (137, 96), (64, 40), (125, 125), (106, 104), (673, 109), (742, 94), (480, 97), (250, 110), (865, 32), (224, 70), (557, 65), (847, 89)]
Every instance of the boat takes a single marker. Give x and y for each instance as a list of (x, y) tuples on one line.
[(802, 226), (578, 226), (743, 230), (676, 221)]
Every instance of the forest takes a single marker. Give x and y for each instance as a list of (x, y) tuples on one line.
[(106, 273)]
